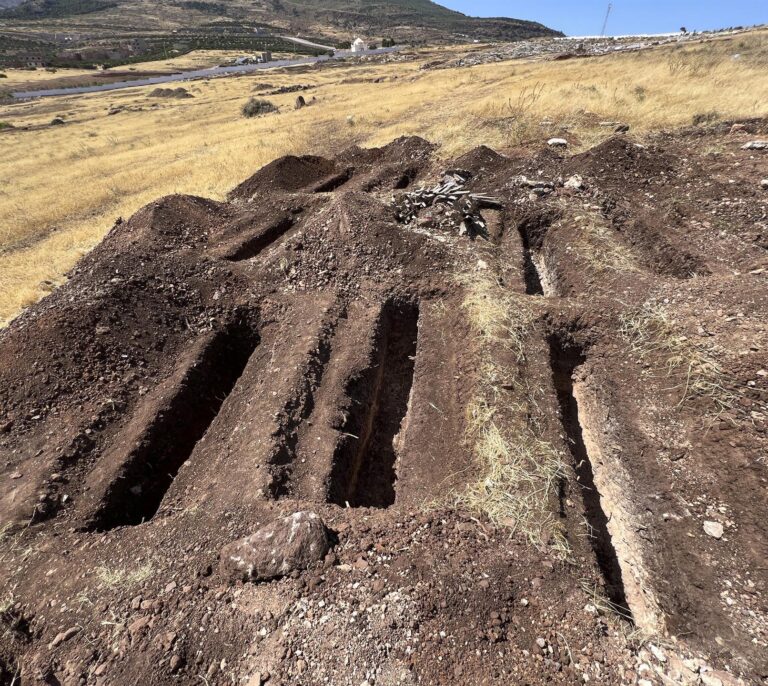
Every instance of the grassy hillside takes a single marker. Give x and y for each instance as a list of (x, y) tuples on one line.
[(67, 184), (405, 19), (394, 14), (57, 8)]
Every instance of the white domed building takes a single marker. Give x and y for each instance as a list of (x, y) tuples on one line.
[(358, 45)]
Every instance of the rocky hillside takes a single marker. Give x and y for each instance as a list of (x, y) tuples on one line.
[(403, 19), (406, 15)]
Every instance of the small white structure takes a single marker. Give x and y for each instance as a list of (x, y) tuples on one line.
[(358, 45)]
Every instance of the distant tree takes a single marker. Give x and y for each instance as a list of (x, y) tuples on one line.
[(683, 29), (344, 45), (373, 46), (388, 43)]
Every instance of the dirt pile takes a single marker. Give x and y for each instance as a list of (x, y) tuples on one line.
[(175, 93), (519, 439)]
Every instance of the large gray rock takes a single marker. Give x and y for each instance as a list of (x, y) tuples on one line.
[(287, 544)]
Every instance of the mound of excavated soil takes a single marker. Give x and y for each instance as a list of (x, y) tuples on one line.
[(177, 93), (213, 367), (287, 174)]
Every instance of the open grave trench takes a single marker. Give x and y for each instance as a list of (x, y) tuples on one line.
[(566, 357), (320, 357), (365, 460), (168, 427)]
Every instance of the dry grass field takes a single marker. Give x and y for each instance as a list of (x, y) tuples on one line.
[(63, 186), (25, 80)]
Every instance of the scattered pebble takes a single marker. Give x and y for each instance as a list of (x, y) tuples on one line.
[(575, 182), (713, 529)]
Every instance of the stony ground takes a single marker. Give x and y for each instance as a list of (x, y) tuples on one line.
[(530, 413)]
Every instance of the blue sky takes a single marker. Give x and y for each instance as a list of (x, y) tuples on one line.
[(585, 17)]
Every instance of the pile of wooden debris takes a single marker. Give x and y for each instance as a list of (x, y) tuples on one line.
[(458, 208)]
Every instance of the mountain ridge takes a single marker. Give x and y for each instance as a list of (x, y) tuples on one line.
[(403, 19)]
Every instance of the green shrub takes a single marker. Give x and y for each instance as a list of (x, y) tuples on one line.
[(3, 76), (5, 125), (255, 107)]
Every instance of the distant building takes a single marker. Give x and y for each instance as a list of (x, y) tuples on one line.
[(358, 45)]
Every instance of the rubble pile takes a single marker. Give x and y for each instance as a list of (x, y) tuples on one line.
[(558, 48), (450, 205)]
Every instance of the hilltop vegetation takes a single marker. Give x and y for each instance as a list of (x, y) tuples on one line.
[(57, 8), (408, 19)]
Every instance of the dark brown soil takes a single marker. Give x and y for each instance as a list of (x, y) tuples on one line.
[(212, 366)]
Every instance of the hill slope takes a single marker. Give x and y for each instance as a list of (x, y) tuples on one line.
[(405, 19)]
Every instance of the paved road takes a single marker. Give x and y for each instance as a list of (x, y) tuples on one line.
[(190, 75)]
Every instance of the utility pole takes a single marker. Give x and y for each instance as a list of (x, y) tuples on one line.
[(607, 14)]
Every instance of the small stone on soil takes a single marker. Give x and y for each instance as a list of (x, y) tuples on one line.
[(713, 529), (288, 544)]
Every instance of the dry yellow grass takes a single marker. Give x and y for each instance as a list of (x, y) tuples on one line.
[(37, 77), (519, 471), (197, 59), (64, 186)]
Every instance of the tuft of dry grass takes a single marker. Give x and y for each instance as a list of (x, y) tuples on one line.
[(519, 472), (497, 317), (120, 577), (601, 249), (64, 186), (655, 336)]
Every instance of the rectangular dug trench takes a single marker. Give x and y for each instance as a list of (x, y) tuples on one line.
[(364, 463), (533, 230), (173, 429), (334, 182), (258, 242), (565, 358)]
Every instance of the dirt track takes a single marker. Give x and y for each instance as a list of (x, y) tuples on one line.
[(211, 366)]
